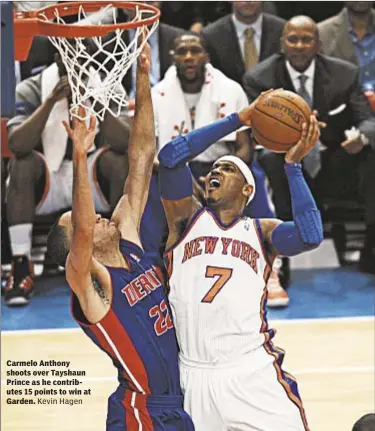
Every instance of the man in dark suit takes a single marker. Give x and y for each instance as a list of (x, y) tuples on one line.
[(226, 39), (331, 86)]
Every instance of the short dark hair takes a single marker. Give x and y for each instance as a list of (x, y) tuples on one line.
[(58, 243), (193, 34), (365, 423)]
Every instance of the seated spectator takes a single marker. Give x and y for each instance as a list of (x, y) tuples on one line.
[(365, 423), (236, 42), (41, 172), (331, 86), (350, 35)]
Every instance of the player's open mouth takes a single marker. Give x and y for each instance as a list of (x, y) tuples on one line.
[(214, 183)]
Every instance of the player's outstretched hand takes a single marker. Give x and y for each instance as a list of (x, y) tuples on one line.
[(82, 136), (309, 137), (144, 61), (246, 113)]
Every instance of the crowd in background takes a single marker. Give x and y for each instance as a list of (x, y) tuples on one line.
[(209, 59)]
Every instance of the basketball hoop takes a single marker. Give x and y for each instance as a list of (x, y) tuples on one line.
[(96, 56)]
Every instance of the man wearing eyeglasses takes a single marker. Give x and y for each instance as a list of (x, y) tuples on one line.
[(345, 164)]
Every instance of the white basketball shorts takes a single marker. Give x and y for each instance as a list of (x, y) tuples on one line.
[(253, 393)]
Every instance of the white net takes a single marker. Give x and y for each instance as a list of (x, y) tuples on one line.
[(97, 65)]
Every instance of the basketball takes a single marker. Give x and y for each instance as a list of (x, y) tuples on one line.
[(277, 120)]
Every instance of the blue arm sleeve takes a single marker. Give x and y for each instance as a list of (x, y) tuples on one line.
[(306, 232), (184, 148), (175, 184)]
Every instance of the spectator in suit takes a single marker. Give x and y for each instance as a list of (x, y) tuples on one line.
[(239, 40), (40, 179), (331, 86), (350, 35)]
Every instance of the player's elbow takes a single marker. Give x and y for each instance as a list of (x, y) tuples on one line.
[(172, 153), (310, 227), (293, 238), (314, 238), (165, 156)]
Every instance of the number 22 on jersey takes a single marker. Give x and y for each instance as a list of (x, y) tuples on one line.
[(163, 320)]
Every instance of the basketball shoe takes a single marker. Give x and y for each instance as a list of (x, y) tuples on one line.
[(277, 296), (20, 282)]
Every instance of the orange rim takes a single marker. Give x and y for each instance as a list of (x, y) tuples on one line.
[(48, 28), (29, 24)]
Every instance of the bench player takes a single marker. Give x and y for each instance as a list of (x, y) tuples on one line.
[(117, 298), (218, 263)]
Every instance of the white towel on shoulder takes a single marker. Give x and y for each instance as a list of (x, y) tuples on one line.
[(54, 136), (220, 97)]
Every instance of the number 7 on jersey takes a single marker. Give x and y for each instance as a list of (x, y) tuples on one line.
[(224, 275)]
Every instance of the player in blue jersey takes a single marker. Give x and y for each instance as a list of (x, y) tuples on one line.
[(118, 299)]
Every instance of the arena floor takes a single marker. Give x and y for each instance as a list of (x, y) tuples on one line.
[(327, 331)]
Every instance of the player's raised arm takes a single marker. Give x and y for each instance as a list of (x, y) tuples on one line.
[(305, 232), (141, 153), (175, 178), (83, 210)]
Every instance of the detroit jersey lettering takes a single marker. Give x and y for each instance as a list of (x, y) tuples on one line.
[(218, 282), (137, 332)]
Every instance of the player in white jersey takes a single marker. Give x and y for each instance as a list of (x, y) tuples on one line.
[(218, 263)]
